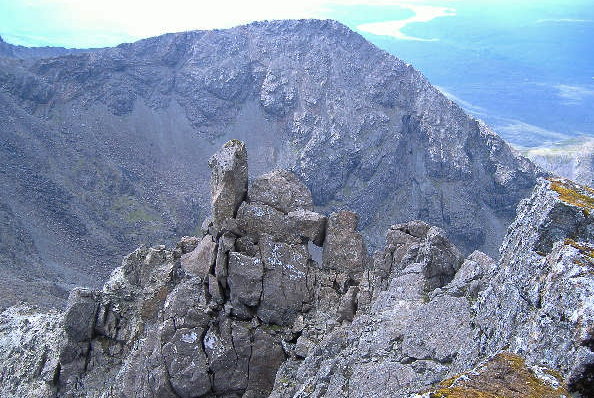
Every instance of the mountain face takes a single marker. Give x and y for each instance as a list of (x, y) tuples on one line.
[(105, 149), (245, 310)]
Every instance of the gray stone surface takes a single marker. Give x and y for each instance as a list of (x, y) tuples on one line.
[(256, 219), (284, 289), (282, 190), (186, 363), (413, 329), (80, 313), (308, 224), (344, 249), (538, 303), (245, 279), (202, 259)]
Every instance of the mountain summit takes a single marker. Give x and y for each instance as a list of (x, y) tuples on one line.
[(104, 149)]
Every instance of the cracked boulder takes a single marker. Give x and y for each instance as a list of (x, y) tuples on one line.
[(281, 190)]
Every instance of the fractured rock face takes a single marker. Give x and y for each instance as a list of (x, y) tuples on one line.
[(539, 301), (402, 324), (29, 356), (284, 288), (247, 312), (217, 315), (424, 314), (79, 317), (307, 224)]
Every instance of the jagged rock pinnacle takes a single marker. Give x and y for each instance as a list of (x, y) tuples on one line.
[(229, 181)]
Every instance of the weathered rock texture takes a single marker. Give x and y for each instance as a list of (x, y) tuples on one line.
[(216, 316), (245, 310), (539, 302), (425, 314), (103, 150)]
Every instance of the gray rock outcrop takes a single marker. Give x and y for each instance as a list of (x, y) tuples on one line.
[(229, 182), (409, 332), (246, 311), (425, 315), (216, 316), (539, 302)]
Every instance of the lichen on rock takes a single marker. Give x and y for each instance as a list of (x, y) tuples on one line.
[(503, 376)]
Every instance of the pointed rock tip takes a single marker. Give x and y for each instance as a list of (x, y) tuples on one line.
[(234, 143), (229, 181)]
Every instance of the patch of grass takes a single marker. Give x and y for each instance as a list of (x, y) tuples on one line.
[(132, 211)]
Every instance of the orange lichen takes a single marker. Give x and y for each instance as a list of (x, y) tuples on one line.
[(503, 376), (584, 248), (574, 194)]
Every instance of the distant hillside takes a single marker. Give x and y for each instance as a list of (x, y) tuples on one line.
[(10, 50)]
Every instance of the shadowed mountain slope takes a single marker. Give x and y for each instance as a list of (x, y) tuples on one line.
[(105, 149)]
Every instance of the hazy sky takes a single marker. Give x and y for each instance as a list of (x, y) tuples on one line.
[(96, 23)]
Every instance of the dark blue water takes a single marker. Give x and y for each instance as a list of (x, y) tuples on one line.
[(527, 69)]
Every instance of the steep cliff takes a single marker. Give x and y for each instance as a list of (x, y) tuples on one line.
[(103, 150)]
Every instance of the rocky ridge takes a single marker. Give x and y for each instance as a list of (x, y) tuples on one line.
[(101, 149), (245, 310), (440, 315), (22, 52), (216, 316)]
